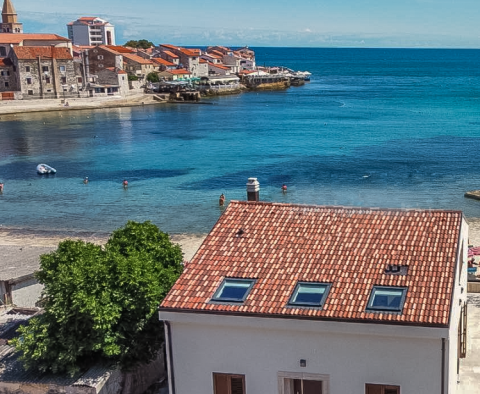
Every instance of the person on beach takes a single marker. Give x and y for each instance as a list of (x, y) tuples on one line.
[(85, 181), (125, 183), (221, 200), (1, 187), (284, 188)]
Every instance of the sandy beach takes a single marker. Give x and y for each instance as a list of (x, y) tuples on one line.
[(22, 237), (188, 242)]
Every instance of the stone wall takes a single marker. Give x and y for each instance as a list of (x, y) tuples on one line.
[(26, 293)]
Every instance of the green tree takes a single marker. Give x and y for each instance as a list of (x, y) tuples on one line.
[(153, 77), (144, 44), (132, 77), (101, 303)]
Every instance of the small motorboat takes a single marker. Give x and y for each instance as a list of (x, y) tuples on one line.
[(43, 169)]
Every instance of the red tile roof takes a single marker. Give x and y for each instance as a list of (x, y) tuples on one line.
[(162, 61), (213, 56), (136, 58), (188, 52), (220, 66), (30, 53), (116, 70), (118, 48), (170, 54), (169, 46), (178, 71), (347, 247), (17, 38)]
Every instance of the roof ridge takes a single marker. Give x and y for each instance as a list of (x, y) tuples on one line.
[(346, 207)]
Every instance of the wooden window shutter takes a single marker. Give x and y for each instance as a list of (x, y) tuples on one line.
[(373, 389), (381, 389), (462, 333), (228, 384), (220, 383), (237, 384)]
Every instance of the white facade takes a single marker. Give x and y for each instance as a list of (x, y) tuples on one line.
[(91, 31), (345, 356)]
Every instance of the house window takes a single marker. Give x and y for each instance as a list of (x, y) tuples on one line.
[(79, 80), (100, 57), (310, 294), (381, 389), (3, 51), (45, 69), (387, 299), (47, 80), (100, 66), (27, 69), (233, 290), (224, 383), (29, 81), (30, 92), (6, 84), (64, 80), (62, 69)]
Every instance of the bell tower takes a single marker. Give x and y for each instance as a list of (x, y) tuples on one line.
[(9, 19)]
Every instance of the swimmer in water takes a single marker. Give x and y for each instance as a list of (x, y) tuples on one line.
[(85, 181), (284, 188), (1, 188), (125, 184), (221, 200)]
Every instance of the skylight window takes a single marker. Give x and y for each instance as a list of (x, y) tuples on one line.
[(233, 290), (309, 294), (388, 299)]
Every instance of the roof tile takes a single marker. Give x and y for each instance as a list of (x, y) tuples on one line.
[(284, 243)]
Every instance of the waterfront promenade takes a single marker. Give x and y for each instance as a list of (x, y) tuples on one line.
[(46, 105)]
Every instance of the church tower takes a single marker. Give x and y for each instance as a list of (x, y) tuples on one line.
[(9, 19)]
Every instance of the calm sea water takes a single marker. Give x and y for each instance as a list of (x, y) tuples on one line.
[(374, 127)]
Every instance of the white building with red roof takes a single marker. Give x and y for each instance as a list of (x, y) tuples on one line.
[(289, 299), (91, 30)]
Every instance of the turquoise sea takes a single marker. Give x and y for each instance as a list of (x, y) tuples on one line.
[(374, 128)]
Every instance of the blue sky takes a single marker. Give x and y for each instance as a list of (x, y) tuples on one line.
[(306, 23)]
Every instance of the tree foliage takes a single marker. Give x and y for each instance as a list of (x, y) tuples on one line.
[(101, 302), (143, 44), (153, 77)]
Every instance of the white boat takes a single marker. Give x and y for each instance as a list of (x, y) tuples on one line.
[(43, 169)]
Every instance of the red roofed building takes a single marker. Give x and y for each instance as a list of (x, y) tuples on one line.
[(136, 65), (163, 64), (289, 299), (178, 74), (187, 58), (91, 31), (45, 72)]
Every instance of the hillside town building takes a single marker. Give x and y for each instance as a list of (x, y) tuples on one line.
[(293, 299), (91, 31)]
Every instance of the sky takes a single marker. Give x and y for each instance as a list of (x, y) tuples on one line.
[(279, 23)]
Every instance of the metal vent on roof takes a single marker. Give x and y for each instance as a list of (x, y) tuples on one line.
[(239, 233), (396, 269)]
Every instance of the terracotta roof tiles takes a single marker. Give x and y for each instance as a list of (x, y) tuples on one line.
[(31, 53), (347, 247), (17, 38)]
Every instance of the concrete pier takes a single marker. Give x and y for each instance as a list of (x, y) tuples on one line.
[(475, 194)]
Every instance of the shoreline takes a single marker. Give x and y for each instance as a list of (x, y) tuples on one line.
[(15, 107), (190, 243), (12, 236)]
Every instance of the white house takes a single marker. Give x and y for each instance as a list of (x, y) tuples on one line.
[(90, 30), (295, 299)]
